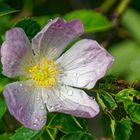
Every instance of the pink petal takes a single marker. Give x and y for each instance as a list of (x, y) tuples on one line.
[(25, 104), (70, 101), (16, 53), (55, 36), (84, 64)]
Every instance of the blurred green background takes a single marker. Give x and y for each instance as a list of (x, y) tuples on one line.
[(113, 24)]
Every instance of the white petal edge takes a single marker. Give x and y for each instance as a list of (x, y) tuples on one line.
[(83, 64), (70, 100)]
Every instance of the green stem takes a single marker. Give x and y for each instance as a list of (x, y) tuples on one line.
[(91, 90), (107, 5), (77, 122), (119, 11), (51, 136), (122, 6), (115, 20)]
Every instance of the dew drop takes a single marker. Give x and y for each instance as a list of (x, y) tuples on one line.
[(35, 124), (51, 107), (70, 92), (75, 74), (42, 121), (42, 107), (37, 119), (37, 98), (20, 85)]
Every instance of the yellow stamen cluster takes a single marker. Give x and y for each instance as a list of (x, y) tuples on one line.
[(44, 73)]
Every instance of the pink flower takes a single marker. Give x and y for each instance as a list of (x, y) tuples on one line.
[(53, 81)]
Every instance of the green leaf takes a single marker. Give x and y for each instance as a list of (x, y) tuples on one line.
[(106, 100), (127, 95), (92, 20), (3, 108), (26, 134), (133, 109), (77, 136), (67, 123), (30, 27), (131, 20), (3, 80), (5, 136), (130, 97), (6, 9), (0, 39), (43, 20), (122, 129), (128, 52)]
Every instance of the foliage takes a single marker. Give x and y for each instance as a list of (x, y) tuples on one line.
[(30, 27), (6, 9), (99, 22), (121, 129)]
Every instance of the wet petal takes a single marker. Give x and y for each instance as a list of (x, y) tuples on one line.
[(25, 104), (84, 64), (16, 53), (70, 101), (55, 36)]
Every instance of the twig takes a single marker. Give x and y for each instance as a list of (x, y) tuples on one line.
[(119, 11), (107, 5), (51, 136), (122, 6)]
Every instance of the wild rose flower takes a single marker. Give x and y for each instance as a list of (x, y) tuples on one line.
[(53, 81)]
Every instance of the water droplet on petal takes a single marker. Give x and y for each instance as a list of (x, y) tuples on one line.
[(42, 120), (37, 98), (42, 107), (37, 119), (35, 124), (20, 85), (51, 107), (75, 74), (70, 92)]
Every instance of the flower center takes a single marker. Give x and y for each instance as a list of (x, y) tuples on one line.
[(44, 73)]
